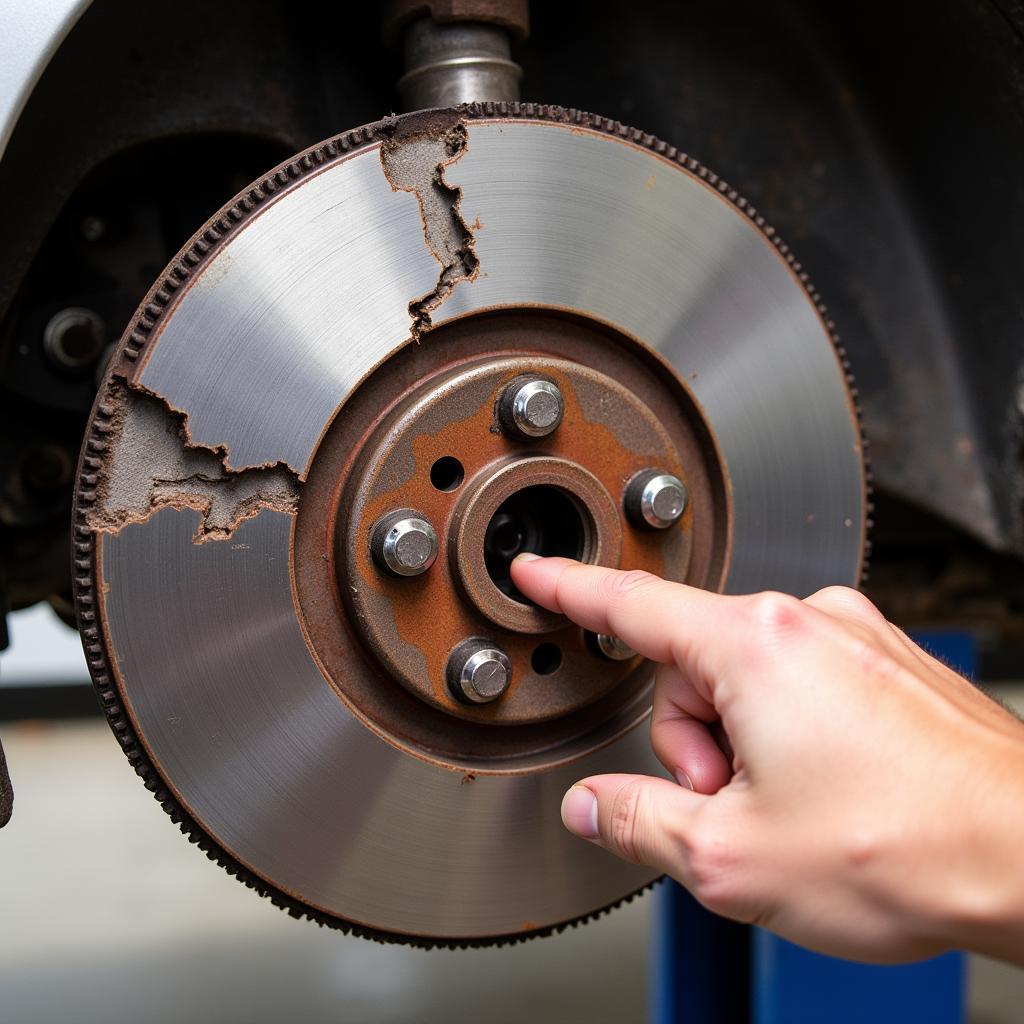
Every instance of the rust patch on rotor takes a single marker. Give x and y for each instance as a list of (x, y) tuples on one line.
[(415, 161), (152, 464)]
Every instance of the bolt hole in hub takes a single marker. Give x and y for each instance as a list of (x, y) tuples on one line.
[(546, 659), (541, 519), (447, 473)]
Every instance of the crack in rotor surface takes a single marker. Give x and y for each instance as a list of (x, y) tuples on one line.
[(416, 163), (153, 465)]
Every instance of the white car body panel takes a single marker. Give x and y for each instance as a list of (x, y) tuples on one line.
[(30, 32)]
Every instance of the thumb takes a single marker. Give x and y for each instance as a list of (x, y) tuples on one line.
[(638, 818)]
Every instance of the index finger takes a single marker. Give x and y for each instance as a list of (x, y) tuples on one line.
[(666, 622)]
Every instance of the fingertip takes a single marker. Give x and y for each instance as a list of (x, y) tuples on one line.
[(704, 771), (689, 750), (579, 812), (537, 577)]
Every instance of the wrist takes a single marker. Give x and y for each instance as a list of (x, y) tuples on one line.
[(983, 902)]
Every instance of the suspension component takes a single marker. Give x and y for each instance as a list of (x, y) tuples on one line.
[(457, 51)]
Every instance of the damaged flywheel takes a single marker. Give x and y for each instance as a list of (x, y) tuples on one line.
[(359, 392)]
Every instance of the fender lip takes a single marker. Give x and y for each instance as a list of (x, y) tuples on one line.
[(33, 30)]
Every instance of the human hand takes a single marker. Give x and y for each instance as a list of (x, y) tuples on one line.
[(865, 800)]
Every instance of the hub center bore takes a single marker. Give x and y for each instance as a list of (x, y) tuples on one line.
[(540, 519), (537, 503)]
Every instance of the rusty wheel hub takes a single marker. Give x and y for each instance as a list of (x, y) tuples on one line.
[(426, 435)]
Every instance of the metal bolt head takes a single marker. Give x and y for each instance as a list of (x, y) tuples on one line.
[(655, 500), (74, 338), (532, 407), (479, 672), (610, 647), (404, 543)]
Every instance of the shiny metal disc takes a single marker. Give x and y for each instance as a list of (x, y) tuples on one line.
[(252, 341)]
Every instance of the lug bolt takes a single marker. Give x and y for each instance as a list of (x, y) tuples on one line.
[(655, 500), (74, 338), (478, 672), (531, 407), (611, 647), (403, 543)]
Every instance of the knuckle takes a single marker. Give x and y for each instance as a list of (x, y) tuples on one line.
[(862, 847), (848, 600), (775, 614), (624, 820), (875, 662)]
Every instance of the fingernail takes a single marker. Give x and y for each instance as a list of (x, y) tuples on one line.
[(526, 556), (683, 779), (579, 812)]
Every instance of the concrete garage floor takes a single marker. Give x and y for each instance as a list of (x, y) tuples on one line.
[(108, 915)]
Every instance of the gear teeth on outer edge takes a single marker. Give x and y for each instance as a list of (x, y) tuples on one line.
[(132, 345)]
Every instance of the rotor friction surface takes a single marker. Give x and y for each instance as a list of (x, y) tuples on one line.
[(244, 351)]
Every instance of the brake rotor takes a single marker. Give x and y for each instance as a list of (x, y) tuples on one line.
[(337, 347)]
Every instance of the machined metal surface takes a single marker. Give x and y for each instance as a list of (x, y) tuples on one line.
[(203, 647), (456, 63)]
